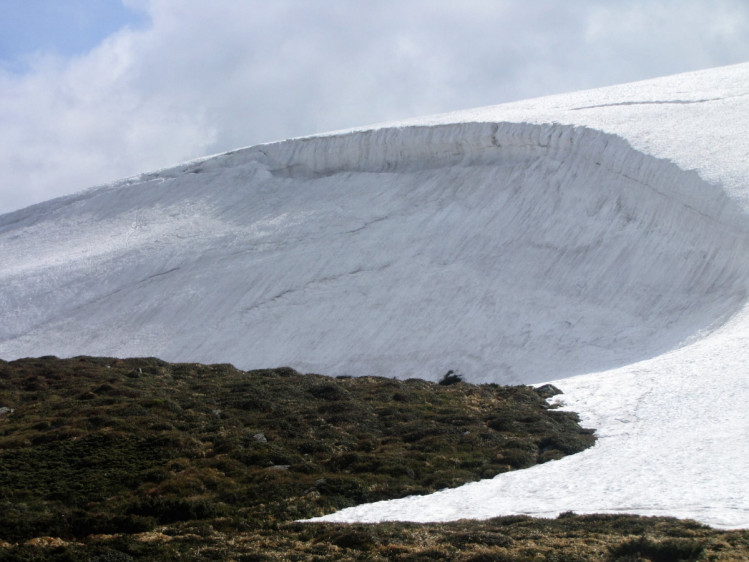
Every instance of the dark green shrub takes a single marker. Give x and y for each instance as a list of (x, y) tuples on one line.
[(328, 391), (110, 555), (486, 539), (518, 454), (503, 422), (565, 443), (358, 538), (171, 509), (670, 550)]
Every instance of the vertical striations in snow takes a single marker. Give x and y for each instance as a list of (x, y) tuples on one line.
[(514, 252)]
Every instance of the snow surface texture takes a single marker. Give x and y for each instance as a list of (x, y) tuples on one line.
[(599, 238)]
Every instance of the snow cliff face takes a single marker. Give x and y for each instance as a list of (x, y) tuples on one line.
[(513, 252), (598, 237)]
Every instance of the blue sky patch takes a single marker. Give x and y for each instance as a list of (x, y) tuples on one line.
[(61, 27)]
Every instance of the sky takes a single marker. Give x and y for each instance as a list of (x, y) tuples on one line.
[(96, 90)]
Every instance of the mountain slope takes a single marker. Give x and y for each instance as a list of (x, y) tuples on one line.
[(489, 240)]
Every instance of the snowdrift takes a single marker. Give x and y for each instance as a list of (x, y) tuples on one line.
[(513, 252), (572, 235)]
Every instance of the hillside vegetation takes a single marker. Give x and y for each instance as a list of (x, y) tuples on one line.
[(108, 459)]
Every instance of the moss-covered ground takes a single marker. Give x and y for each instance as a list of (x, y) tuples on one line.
[(114, 459)]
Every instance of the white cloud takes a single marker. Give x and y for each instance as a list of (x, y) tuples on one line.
[(210, 76)]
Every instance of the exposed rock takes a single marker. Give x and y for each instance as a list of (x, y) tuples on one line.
[(547, 391)]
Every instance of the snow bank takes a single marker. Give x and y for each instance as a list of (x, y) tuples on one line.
[(513, 252)]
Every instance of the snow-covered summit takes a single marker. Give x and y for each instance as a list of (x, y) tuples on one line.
[(598, 231)]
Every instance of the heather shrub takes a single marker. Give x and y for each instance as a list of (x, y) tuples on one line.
[(102, 445)]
